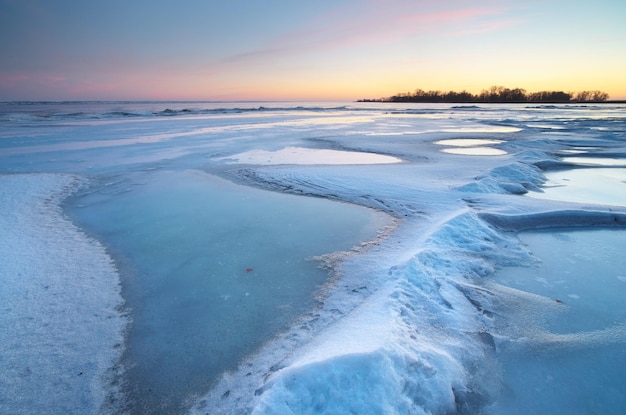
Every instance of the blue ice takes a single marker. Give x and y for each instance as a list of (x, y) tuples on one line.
[(572, 363), (211, 270)]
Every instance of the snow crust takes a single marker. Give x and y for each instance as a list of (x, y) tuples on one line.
[(61, 327), (425, 335)]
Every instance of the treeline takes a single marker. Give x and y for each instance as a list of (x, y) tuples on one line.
[(496, 94)]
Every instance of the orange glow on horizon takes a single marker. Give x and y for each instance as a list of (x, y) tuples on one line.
[(319, 52)]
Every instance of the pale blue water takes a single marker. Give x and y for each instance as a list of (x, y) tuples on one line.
[(211, 270)]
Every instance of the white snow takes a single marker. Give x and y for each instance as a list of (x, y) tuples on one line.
[(61, 329)]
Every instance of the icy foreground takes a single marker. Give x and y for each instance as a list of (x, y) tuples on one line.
[(61, 329), (424, 321)]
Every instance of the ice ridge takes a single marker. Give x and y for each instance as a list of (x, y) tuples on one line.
[(431, 353)]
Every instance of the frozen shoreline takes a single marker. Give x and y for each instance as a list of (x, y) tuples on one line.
[(225, 294), (454, 256), (62, 327), (413, 324)]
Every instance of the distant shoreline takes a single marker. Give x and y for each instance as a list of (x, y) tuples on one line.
[(498, 95), (384, 100)]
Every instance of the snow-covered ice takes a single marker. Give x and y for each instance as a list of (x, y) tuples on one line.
[(61, 330), (495, 279)]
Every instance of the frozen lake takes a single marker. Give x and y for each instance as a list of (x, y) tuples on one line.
[(212, 270), (311, 258), (575, 365), (603, 186)]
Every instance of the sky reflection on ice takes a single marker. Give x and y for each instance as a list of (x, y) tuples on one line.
[(602, 186), (483, 129), (475, 151), (595, 161), (471, 146), (467, 142), (304, 156)]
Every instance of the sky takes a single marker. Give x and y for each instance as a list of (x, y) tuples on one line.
[(305, 50)]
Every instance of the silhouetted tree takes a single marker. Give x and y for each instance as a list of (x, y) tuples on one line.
[(599, 96), (498, 94), (591, 96), (582, 96)]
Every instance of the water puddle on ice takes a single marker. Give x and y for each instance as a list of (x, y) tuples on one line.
[(471, 146), (595, 161), (546, 126), (467, 142), (309, 156), (475, 151), (482, 129), (210, 271), (602, 186), (576, 365)]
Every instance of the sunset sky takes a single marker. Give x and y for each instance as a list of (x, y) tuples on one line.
[(305, 50)]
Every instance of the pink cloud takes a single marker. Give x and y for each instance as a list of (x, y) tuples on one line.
[(488, 27), (379, 22)]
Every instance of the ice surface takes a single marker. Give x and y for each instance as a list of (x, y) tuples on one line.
[(601, 186), (581, 345), (304, 156), (471, 147), (413, 323), (61, 329), (595, 161), (209, 275), (411, 372), (466, 142), (475, 151)]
